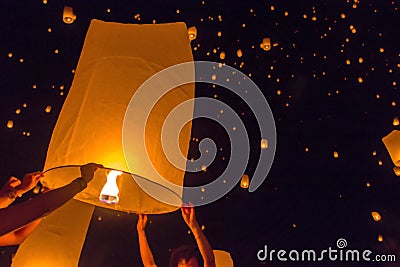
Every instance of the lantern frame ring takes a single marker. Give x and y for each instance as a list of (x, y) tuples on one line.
[(112, 169)]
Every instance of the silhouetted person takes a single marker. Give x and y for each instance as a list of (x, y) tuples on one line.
[(18, 221), (184, 256)]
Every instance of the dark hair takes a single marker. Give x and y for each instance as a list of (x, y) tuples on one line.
[(183, 252)]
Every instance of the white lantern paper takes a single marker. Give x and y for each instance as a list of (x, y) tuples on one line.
[(115, 60)]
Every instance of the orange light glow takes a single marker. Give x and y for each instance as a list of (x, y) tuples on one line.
[(110, 191)]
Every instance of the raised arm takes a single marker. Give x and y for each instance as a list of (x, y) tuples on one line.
[(201, 240), (26, 212), (15, 188), (145, 251)]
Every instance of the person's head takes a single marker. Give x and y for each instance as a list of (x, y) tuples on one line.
[(184, 256)]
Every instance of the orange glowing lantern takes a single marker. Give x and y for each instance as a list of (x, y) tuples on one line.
[(376, 216), (264, 143), (245, 181), (68, 15), (222, 55), (10, 124), (192, 33), (266, 44), (396, 170), (392, 144), (396, 121), (115, 61)]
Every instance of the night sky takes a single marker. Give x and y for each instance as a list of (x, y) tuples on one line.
[(331, 80)]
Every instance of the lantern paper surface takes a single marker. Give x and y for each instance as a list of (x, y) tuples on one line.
[(115, 60), (54, 243), (222, 258), (392, 144)]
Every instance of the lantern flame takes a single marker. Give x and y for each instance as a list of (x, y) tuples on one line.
[(110, 191)]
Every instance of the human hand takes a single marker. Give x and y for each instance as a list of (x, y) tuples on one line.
[(189, 216), (29, 181), (87, 171), (11, 184), (142, 222)]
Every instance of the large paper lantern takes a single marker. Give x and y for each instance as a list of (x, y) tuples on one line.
[(392, 144), (115, 60), (222, 258)]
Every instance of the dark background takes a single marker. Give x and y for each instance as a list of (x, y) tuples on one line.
[(309, 199)]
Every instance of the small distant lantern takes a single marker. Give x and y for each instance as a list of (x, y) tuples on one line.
[(376, 216), (192, 32), (396, 121), (392, 144), (396, 170), (239, 53), (222, 55), (264, 143), (244, 183), (10, 124), (47, 109), (380, 238), (266, 44), (68, 15), (335, 154)]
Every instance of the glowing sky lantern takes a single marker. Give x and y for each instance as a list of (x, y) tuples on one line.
[(68, 15), (266, 44), (264, 143), (192, 33), (376, 216), (222, 55), (396, 170), (115, 61), (245, 181), (10, 124), (396, 121), (392, 144)]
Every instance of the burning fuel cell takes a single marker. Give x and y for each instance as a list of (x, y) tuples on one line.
[(110, 191)]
